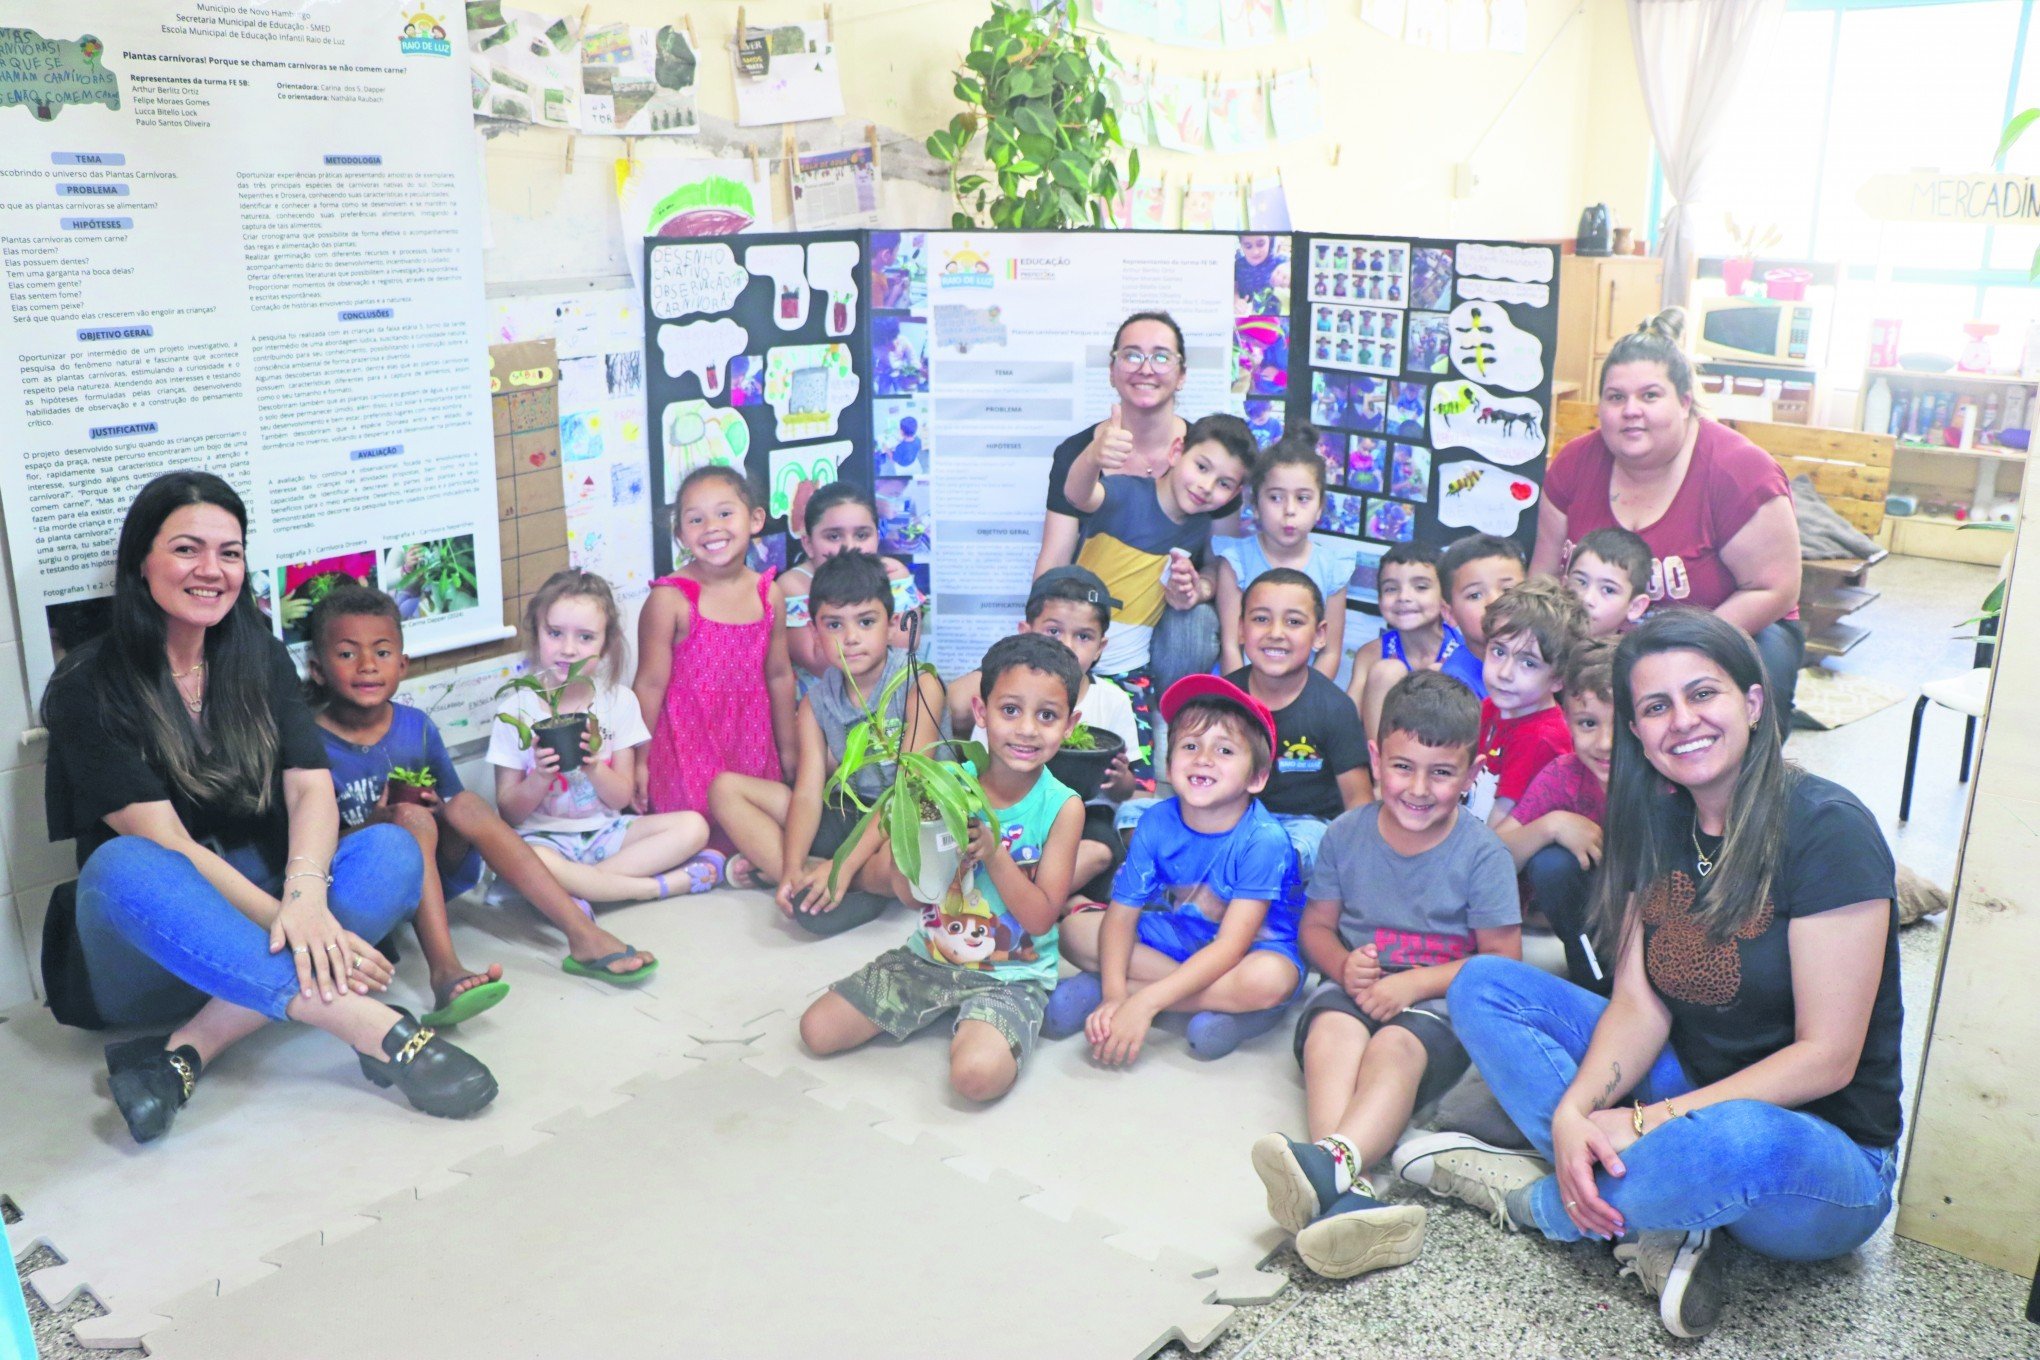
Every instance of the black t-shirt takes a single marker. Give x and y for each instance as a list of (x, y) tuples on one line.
[(1318, 738), (91, 775), (1066, 455), (1732, 1004)]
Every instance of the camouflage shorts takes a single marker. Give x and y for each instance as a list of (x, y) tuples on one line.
[(903, 993)]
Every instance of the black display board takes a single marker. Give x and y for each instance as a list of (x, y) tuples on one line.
[(758, 351)]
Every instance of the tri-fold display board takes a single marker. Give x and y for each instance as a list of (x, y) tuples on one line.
[(943, 368)]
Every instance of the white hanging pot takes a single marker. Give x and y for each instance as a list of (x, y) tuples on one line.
[(940, 856)]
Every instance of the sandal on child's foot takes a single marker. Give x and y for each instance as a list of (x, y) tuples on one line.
[(740, 872), (452, 1008), (704, 872)]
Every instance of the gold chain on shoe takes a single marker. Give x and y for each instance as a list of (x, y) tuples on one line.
[(184, 1073), (413, 1046)]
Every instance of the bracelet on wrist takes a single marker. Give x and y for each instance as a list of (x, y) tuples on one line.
[(326, 879), (1636, 1120)]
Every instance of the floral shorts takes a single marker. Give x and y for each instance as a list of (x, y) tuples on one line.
[(585, 847)]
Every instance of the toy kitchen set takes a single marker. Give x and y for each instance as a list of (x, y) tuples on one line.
[(1759, 330)]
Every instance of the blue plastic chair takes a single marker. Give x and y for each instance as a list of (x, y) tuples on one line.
[(17, 1341)]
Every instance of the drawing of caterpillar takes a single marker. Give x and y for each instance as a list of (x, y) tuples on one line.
[(1459, 405), (1467, 482)]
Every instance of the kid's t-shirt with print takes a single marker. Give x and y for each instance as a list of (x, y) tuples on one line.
[(1565, 785), (1168, 862), (1127, 541), (1416, 910), (1107, 708), (976, 930), (1511, 751), (572, 803), (1317, 739), (413, 741)]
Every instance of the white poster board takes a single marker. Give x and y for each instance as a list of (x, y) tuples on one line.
[(247, 241)]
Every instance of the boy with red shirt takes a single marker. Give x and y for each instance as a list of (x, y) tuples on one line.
[(1530, 631)]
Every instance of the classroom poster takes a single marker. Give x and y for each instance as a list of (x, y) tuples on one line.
[(209, 267)]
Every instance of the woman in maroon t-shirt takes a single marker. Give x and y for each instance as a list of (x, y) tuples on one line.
[(1714, 508)]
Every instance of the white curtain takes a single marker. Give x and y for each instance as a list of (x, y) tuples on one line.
[(1693, 58)]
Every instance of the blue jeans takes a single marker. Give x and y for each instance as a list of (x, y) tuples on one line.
[(1185, 642), (1560, 889), (1306, 834), (159, 940), (1782, 647), (1783, 1183)]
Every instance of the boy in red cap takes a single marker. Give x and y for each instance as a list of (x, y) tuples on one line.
[(1204, 911)]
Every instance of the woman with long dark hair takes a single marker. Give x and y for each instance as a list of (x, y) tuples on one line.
[(214, 895), (1744, 1077)]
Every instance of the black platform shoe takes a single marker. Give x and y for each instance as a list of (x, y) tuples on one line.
[(151, 1083), (434, 1076)]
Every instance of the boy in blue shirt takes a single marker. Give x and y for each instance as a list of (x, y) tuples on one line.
[(1203, 915)]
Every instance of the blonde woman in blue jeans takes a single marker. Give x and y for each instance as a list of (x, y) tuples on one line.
[(1744, 1078)]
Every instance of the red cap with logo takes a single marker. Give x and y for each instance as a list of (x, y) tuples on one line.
[(1217, 687)]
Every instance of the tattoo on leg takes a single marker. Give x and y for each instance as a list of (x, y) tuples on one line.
[(1607, 1096)]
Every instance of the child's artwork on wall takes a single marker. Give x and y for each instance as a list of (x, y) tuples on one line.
[(637, 82), (525, 67), (786, 266), (808, 387), (1467, 415), (703, 348), (1238, 116), (1476, 495), (1130, 102), (1250, 23), (694, 434), (1489, 348), (1181, 112), (702, 278), (832, 269), (787, 75), (809, 466), (1502, 290), (1294, 107)]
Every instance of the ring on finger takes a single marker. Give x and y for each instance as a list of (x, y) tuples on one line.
[(356, 963), (302, 949), (332, 949)]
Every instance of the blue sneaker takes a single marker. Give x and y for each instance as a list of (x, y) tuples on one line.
[(1213, 1034), (1071, 1005), (1358, 1233), (1299, 1177)]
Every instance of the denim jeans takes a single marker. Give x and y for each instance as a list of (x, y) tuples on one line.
[(1560, 889), (1783, 648), (1185, 642), (159, 939), (1306, 834), (1783, 1183)]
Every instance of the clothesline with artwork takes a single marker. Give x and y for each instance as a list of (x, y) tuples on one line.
[(1205, 113), (1444, 25)]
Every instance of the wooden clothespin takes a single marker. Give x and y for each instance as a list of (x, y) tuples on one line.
[(740, 26), (630, 151), (579, 29), (1335, 153), (789, 151), (687, 26), (829, 20), (754, 161), (871, 140)]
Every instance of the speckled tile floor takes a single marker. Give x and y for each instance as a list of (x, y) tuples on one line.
[(1478, 1291)]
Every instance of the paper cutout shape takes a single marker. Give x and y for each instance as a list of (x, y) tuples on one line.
[(787, 268), (807, 387), (1475, 495), (1238, 116), (815, 464), (1466, 415), (1294, 106), (1497, 290), (696, 435), (1181, 113), (703, 278), (1489, 347), (703, 348), (832, 268), (1523, 264), (45, 75)]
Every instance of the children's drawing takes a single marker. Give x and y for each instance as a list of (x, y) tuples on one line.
[(1180, 112), (1250, 23), (1475, 495), (1430, 278), (1386, 15), (1294, 106), (1523, 264), (45, 75), (807, 387), (1409, 472), (1238, 115), (1190, 23), (784, 265), (1130, 100), (1390, 521), (1147, 204), (694, 278), (832, 268), (1127, 16), (696, 435), (815, 465), (1430, 343), (702, 348), (1364, 465), (581, 436), (1499, 290), (1488, 347), (1466, 415)]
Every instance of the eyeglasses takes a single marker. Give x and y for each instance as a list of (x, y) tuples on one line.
[(1131, 359)]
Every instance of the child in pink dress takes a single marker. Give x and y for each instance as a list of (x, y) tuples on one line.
[(712, 659)]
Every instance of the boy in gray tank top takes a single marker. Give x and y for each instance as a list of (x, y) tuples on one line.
[(788, 836)]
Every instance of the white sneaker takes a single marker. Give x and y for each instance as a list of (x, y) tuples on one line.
[(1460, 1166), (1358, 1233), (1682, 1272)]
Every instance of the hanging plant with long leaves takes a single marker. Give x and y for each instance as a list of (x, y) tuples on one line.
[(1034, 90)]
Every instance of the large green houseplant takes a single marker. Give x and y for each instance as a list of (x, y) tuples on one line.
[(1032, 85)]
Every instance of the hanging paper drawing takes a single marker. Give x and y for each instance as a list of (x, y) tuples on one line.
[(786, 267), (1250, 23), (1130, 99), (812, 466), (1467, 415), (702, 348), (1301, 18), (1473, 495), (1127, 16), (1238, 116), (697, 435), (800, 80), (807, 387), (1190, 23), (1488, 346), (1148, 202), (1200, 203), (703, 278), (637, 81), (526, 70), (1508, 25), (1466, 25), (1294, 106), (832, 269), (1385, 15), (1181, 113)]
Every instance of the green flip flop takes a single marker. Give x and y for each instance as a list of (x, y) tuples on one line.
[(465, 1006), (599, 968)]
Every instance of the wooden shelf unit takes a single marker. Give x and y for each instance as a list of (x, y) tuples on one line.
[(1981, 475)]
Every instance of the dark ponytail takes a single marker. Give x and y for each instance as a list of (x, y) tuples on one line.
[(1656, 341)]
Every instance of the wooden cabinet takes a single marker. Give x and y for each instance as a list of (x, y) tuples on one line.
[(1601, 298)]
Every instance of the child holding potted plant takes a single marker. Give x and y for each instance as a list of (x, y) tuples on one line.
[(987, 949), (565, 751), (788, 836)]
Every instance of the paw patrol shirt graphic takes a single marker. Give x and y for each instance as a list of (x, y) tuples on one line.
[(971, 927)]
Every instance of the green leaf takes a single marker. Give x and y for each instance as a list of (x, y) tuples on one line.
[(1025, 167), (979, 60), (969, 91), (942, 147), (1063, 172), (1132, 166), (850, 843), (1030, 118), (961, 221), (1036, 147), (970, 184), (523, 729), (2013, 131), (903, 826)]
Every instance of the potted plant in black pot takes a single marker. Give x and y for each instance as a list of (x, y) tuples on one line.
[(1086, 757), (559, 731), (410, 786)]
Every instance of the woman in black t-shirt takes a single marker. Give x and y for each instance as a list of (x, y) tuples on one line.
[(211, 898), (1744, 1077)]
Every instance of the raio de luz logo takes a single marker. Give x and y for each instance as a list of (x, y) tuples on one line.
[(964, 267), (425, 33)]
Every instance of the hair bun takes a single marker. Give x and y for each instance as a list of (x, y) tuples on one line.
[(1669, 324)]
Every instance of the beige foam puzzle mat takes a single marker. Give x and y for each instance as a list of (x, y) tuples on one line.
[(761, 1223)]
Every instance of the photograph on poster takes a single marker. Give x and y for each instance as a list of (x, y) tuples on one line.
[(1264, 422), (1364, 466), (1390, 521), (694, 434), (899, 270), (747, 380), (1406, 409), (1341, 514), (1430, 278), (431, 578), (1261, 349), (903, 515), (1430, 340), (1409, 472), (899, 444), (1328, 399), (307, 583), (1261, 275), (1366, 586), (899, 351), (76, 622), (1360, 271), (1332, 447), (1367, 405), (1358, 339)]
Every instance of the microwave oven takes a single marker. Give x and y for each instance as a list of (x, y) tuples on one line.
[(1768, 330)]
